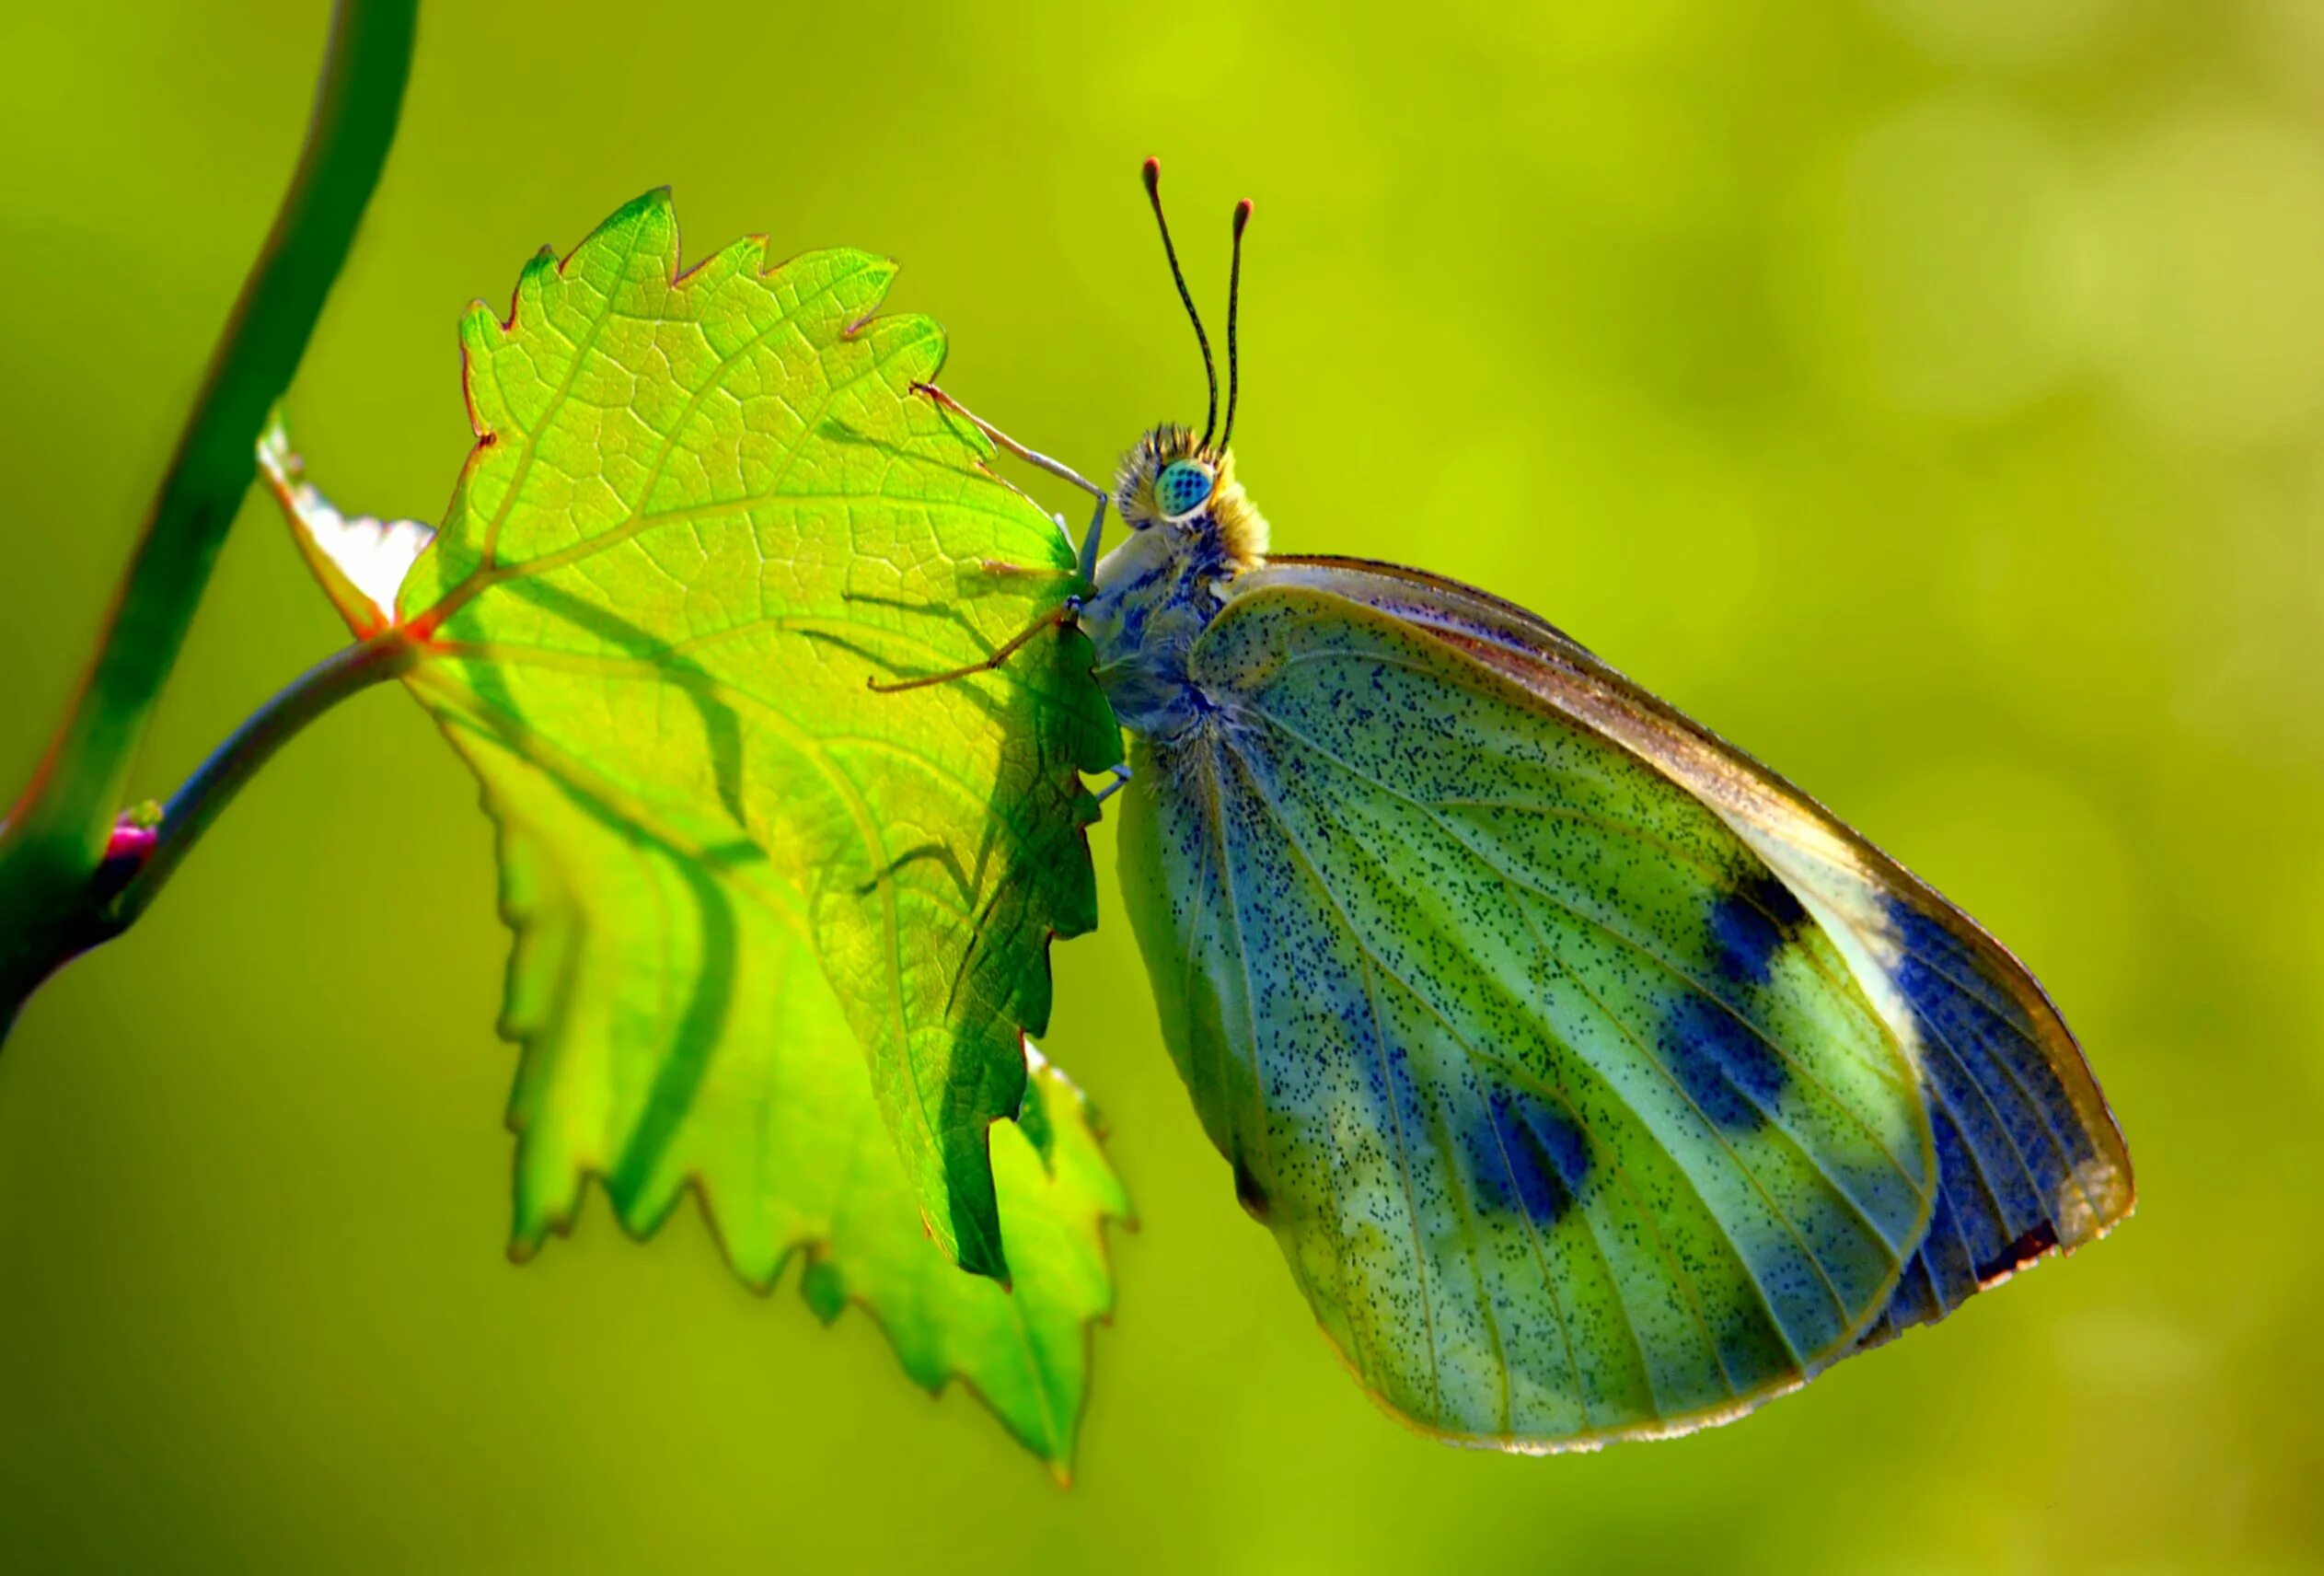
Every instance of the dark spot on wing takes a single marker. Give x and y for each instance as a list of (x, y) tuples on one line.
[(2021, 1252), (1721, 1063), (1751, 924), (1526, 1153)]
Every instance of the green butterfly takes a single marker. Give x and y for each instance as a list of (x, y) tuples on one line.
[(1596, 1081)]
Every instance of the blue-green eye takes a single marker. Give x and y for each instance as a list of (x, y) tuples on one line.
[(1182, 486)]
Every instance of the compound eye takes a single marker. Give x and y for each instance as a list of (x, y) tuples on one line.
[(1181, 487)]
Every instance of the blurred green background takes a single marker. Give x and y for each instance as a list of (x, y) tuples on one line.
[(1928, 394)]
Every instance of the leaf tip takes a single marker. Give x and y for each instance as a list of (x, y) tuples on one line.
[(978, 1249), (654, 213), (480, 326), (644, 205)]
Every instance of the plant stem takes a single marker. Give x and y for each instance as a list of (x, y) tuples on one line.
[(122, 886), (206, 795), (53, 842)]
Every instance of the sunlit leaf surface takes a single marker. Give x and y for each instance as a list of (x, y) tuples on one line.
[(701, 512), (777, 934)]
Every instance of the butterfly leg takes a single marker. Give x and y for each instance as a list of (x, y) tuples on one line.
[(1063, 616), (1007, 571), (1120, 773), (1087, 559)]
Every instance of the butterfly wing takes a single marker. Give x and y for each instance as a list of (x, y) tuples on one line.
[(1572, 1122), (2029, 1158)]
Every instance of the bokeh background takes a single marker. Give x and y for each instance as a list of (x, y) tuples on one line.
[(1929, 394)]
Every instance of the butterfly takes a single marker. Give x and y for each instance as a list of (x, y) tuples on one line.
[(1596, 1082)]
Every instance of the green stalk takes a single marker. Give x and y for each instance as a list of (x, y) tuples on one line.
[(217, 780), (53, 842)]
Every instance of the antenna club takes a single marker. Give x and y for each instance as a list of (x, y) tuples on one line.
[(1186, 296), (1234, 311)]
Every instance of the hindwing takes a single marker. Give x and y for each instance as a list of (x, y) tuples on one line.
[(1573, 1120)]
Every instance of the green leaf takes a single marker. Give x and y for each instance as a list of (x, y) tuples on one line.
[(701, 513), (774, 931), (773, 1118), (776, 1120), (1024, 1349)]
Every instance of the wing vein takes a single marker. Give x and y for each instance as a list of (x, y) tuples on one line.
[(1705, 992), (1387, 1092), (1887, 1073), (1519, 1073), (1734, 1156), (1549, 1281), (2066, 1157)]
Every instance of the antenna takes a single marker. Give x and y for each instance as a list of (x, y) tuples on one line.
[(1234, 303), (1153, 195)]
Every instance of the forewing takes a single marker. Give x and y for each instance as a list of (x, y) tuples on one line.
[(1571, 1122), (2029, 1158)]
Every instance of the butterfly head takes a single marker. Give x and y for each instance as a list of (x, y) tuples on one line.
[(1169, 479), (1173, 477), (1182, 487)]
